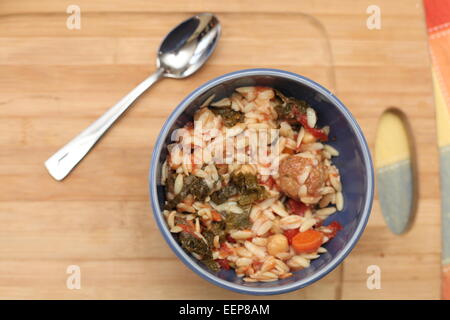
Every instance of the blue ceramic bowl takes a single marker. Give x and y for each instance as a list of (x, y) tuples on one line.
[(354, 163)]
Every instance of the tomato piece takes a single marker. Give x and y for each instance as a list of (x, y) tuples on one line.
[(288, 150), (189, 125), (225, 250), (303, 120), (335, 227), (223, 263), (319, 134), (216, 216), (270, 183), (256, 265), (261, 88), (290, 233), (297, 207), (230, 239), (308, 241), (188, 226)]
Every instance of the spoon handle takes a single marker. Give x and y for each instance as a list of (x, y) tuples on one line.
[(65, 159)]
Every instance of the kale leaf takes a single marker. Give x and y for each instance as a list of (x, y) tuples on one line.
[(191, 185), (288, 108), (243, 184), (196, 186), (195, 245), (229, 116), (236, 221), (211, 264), (222, 195)]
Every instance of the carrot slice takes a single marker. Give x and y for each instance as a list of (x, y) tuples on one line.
[(307, 242)]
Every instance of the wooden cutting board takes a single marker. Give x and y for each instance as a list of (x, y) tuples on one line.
[(55, 81)]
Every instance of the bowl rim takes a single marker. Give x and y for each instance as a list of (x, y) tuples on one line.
[(186, 259)]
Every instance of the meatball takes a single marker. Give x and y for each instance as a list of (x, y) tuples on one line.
[(292, 170)]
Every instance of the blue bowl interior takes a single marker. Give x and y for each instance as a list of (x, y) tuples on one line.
[(353, 162)]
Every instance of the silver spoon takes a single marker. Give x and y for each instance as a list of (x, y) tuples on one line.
[(182, 52)]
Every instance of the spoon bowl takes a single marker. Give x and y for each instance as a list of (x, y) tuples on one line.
[(186, 48)]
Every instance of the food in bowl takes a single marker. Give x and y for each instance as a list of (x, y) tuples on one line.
[(249, 182)]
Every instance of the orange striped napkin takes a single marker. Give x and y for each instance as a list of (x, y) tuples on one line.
[(437, 14), (438, 21)]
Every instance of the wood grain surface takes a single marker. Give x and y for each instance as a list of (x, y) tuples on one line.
[(55, 81)]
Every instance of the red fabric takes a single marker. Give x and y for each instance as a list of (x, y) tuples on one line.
[(437, 12)]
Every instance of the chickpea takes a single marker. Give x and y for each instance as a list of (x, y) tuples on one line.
[(277, 243)]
